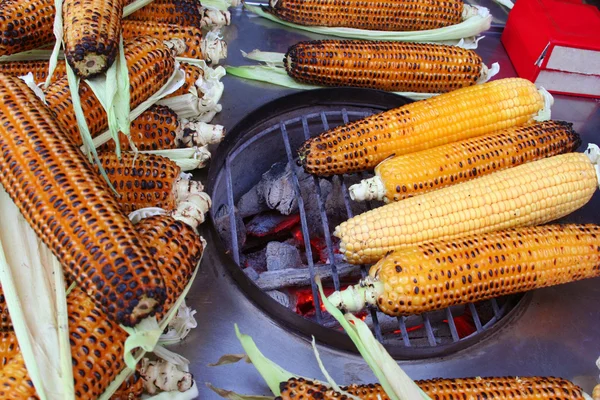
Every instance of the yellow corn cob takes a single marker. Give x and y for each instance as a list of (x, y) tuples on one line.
[(529, 194), (72, 210), (92, 29), (131, 389), (461, 114), (497, 388), (397, 178), (9, 347), (150, 65), (384, 15), (183, 13), (39, 69), (25, 25), (15, 383), (468, 269), (142, 180), (192, 74), (393, 66), (191, 36)]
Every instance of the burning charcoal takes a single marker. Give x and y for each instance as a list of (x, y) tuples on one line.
[(270, 223), (280, 297), (272, 280), (257, 260), (251, 273), (223, 225), (282, 256)]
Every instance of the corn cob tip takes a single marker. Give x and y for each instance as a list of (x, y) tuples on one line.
[(593, 153), (185, 187), (191, 210), (164, 376), (199, 134), (469, 11), (91, 64), (215, 18), (545, 113), (596, 392), (213, 47), (177, 46), (368, 189), (357, 297)]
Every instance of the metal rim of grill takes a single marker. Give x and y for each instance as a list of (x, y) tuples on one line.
[(305, 114)]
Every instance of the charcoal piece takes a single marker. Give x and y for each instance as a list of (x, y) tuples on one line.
[(294, 277), (251, 203), (223, 225), (251, 273), (270, 223), (312, 204), (280, 297), (256, 260), (282, 256)]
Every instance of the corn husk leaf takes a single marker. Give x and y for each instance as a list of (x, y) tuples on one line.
[(221, 5), (470, 27), (33, 285), (30, 55), (30, 82), (171, 357), (231, 359), (58, 35), (180, 326), (188, 159), (231, 395)]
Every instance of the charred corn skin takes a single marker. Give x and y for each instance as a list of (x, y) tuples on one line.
[(39, 69), (461, 114), (177, 249), (465, 160), (384, 15), (61, 196), (392, 66), (131, 389), (92, 29), (501, 388), (150, 65), (191, 36), (25, 25), (155, 129), (192, 74), (142, 180), (530, 194), (9, 347), (443, 273)]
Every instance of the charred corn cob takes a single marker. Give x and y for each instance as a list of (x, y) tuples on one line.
[(25, 25), (150, 65), (131, 389), (182, 12), (39, 69), (5, 322), (15, 383), (177, 249), (72, 210), (529, 194), (191, 36), (497, 388), (397, 178), (9, 347), (370, 14), (393, 66), (193, 73), (92, 29), (461, 114), (442, 273)]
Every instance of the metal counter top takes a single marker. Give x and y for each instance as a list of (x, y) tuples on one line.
[(556, 333)]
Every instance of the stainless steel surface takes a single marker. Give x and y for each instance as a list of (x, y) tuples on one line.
[(557, 333)]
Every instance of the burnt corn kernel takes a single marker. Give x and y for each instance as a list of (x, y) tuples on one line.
[(155, 129), (388, 66), (25, 25), (406, 15), (71, 209), (191, 35), (141, 180), (150, 64), (177, 12), (92, 29)]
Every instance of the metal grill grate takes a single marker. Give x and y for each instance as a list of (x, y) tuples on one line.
[(431, 330)]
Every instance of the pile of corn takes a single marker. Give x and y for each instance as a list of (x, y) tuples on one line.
[(469, 177), (123, 272)]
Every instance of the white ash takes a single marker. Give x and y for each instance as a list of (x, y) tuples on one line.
[(282, 256)]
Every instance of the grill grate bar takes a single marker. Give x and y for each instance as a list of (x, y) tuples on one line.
[(403, 331), (231, 211), (429, 330), (452, 325), (475, 316), (323, 212), (303, 223), (496, 308)]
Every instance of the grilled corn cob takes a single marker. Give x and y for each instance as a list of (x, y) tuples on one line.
[(381, 15), (5, 322), (92, 29), (182, 12), (497, 388), (397, 178), (131, 389), (25, 25), (9, 347), (393, 66), (443, 273), (461, 114), (150, 65), (191, 36), (529, 194), (39, 69), (193, 79), (15, 383), (71, 209), (146, 180)]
